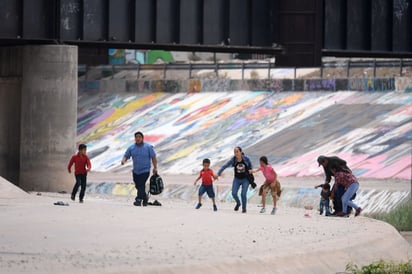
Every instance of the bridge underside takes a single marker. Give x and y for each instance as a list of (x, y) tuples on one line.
[(297, 33)]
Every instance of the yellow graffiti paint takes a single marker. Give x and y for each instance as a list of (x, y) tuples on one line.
[(111, 122), (234, 110), (123, 189), (288, 100), (184, 152), (195, 86)]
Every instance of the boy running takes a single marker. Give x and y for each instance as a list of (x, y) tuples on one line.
[(207, 176), (82, 165)]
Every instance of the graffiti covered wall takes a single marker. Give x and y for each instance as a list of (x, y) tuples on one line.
[(401, 84), (372, 131), (376, 201)]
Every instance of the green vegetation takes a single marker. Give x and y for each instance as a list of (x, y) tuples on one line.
[(400, 217), (382, 267)]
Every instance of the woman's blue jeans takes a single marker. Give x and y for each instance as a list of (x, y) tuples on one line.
[(346, 197), (235, 189)]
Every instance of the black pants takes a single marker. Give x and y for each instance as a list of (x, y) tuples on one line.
[(81, 180), (140, 184)]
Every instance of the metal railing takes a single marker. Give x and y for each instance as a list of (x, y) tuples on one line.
[(111, 70), (374, 64)]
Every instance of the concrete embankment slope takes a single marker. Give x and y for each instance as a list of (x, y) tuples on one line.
[(374, 196), (372, 131), (111, 236), (10, 191)]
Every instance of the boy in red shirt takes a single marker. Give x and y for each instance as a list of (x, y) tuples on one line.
[(207, 176), (81, 166)]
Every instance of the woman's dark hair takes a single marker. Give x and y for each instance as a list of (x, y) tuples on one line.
[(337, 168), (264, 159), (240, 149), (82, 146)]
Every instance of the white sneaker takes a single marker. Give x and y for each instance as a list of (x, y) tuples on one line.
[(273, 211), (263, 210)]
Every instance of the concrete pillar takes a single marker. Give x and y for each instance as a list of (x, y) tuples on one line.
[(10, 128), (48, 117), (10, 99)]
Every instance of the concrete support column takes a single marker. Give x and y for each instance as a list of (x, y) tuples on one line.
[(10, 129), (10, 99), (48, 117)]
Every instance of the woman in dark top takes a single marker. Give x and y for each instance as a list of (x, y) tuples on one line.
[(327, 162), (241, 165)]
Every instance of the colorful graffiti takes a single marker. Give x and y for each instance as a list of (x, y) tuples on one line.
[(376, 201), (400, 84), (116, 56), (372, 131), (404, 84), (372, 84), (129, 56)]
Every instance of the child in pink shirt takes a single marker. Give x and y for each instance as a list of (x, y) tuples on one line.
[(271, 182)]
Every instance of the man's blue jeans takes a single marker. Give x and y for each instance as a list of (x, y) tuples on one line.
[(235, 189), (140, 184)]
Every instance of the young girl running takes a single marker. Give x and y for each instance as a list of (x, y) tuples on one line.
[(271, 183)]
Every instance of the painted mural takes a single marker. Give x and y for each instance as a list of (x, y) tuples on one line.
[(130, 56), (372, 131), (376, 200)]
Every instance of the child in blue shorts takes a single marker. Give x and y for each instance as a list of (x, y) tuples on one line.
[(207, 175)]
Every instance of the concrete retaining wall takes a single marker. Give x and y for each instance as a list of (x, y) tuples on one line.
[(370, 130), (374, 200), (402, 84)]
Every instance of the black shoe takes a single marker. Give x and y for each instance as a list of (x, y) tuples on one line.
[(145, 202), (81, 201), (157, 203), (137, 203), (73, 198), (243, 210), (237, 207)]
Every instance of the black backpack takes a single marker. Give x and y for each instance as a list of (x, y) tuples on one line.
[(156, 184)]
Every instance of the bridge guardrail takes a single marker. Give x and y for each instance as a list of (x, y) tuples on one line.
[(111, 70)]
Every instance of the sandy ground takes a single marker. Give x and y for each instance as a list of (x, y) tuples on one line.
[(111, 236)]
